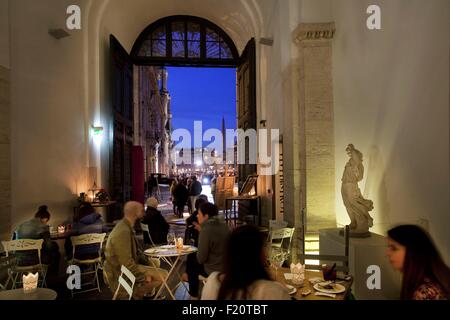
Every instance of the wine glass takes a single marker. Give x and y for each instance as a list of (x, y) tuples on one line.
[(171, 238)]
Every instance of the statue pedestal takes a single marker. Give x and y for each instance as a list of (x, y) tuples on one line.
[(364, 252)]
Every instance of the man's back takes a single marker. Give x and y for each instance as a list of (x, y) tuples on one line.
[(31, 229), (195, 188), (212, 241)]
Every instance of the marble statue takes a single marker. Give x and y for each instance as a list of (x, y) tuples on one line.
[(357, 207)]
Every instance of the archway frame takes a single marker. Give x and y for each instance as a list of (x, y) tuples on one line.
[(170, 60)]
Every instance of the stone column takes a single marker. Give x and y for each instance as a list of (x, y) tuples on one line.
[(315, 90), (5, 155)]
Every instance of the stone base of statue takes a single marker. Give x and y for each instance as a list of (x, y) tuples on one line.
[(364, 254)]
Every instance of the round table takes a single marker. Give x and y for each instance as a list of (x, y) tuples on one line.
[(19, 294), (169, 252)]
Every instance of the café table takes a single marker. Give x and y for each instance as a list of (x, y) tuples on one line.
[(172, 253), (19, 294), (309, 274)]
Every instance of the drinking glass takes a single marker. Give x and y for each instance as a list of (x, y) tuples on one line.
[(276, 261), (171, 238), (329, 272)]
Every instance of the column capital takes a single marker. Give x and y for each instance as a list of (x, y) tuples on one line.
[(314, 31)]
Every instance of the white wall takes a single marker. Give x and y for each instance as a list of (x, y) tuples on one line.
[(47, 111), (4, 33), (391, 91)]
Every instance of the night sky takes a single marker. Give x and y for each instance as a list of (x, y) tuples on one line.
[(205, 94)]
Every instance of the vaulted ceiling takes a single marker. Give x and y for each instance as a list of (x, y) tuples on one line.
[(241, 19)]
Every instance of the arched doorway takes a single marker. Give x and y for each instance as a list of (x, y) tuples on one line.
[(173, 41)]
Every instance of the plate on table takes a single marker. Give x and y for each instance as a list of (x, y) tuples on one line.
[(323, 287), (188, 249), (156, 250), (291, 289)]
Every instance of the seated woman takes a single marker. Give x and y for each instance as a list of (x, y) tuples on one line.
[(37, 228), (245, 276), (157, 225), (425, 275), (88, 221)]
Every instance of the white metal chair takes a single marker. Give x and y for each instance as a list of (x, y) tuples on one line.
[(275, 224), (90, 239), (280, 241), (5, 265), (124, 284), (146, 230), (15, 271)]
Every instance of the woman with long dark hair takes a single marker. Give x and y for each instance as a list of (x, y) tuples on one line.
[(412, 252), (245, 276)]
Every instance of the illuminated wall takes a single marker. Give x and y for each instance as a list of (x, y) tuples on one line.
[(392, 101)]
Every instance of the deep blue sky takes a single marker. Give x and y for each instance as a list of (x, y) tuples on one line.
[(205, 94)]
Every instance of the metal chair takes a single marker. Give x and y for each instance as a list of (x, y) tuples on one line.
[(343, 259), (273, 225), (90, 239), (16, 271), (5, 264), (146, 230), (123, 282), (279, 242)]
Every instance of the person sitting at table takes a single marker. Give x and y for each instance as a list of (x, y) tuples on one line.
[(213, 234), (412, 252), (192, 220), (245, 276), (157, 225), (37, 228), (88, 221), (122, 249), (191, 237)]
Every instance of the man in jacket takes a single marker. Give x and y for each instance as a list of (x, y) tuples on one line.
[(213, 236), (122, 249)]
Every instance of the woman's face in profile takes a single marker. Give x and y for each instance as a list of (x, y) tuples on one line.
[(396, 254)]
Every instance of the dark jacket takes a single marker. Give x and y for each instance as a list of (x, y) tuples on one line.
[(191, 232), (92, 223), (211, 244), (157, 226), (34, 229), (180, 194), (195, 189)]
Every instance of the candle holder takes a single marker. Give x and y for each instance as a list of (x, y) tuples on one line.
[(61, 229), (30, 282), (94, 189)]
